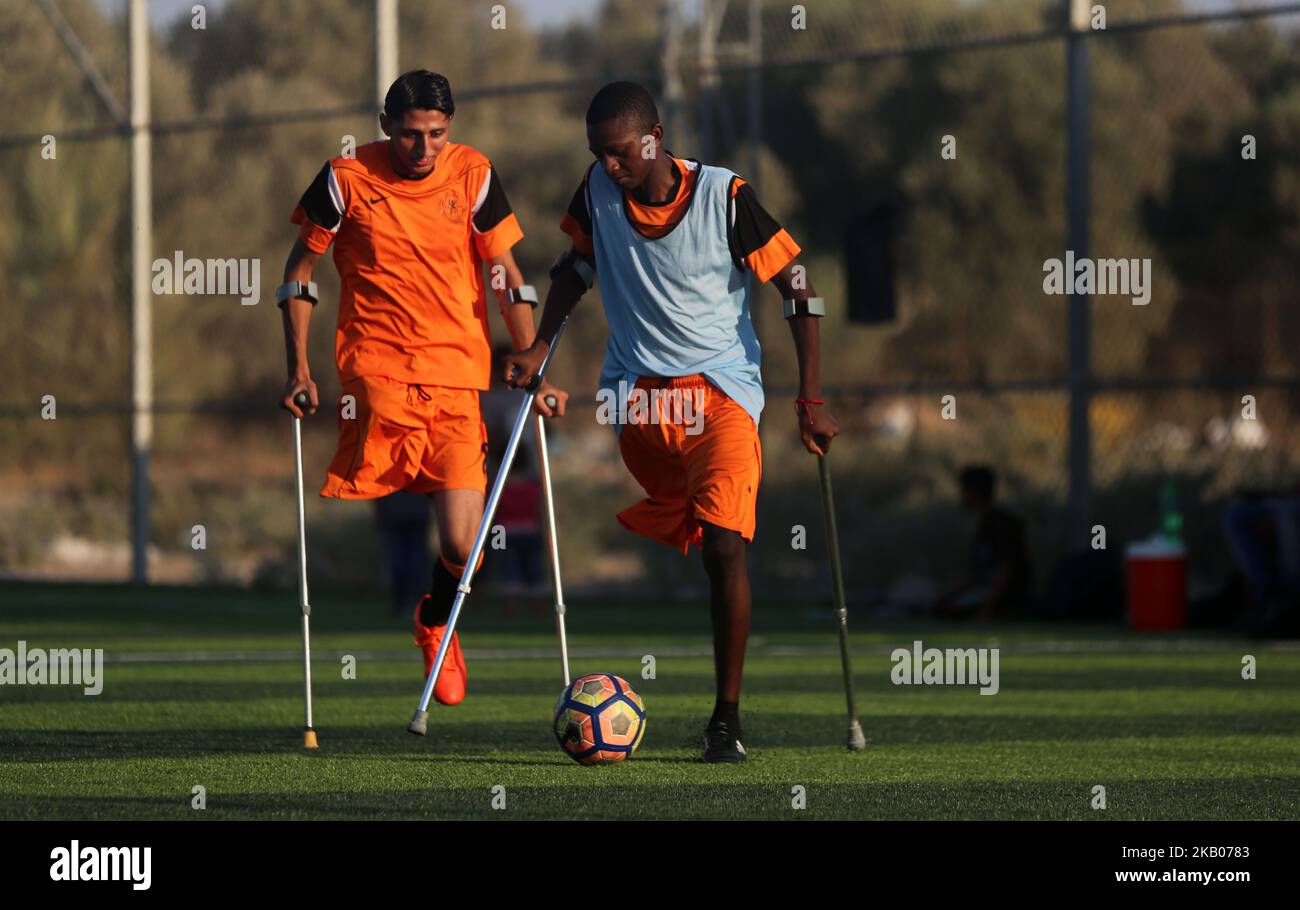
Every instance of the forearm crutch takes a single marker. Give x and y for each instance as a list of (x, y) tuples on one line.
[(303, 400), (420, 720)]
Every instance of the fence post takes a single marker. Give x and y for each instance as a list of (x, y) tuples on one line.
[(1078, 203), (385, 49), (141, 301)]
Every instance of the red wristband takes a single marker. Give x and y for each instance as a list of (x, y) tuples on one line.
[(806, 402)]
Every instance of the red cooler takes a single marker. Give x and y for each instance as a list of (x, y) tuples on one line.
[(1157, 584)]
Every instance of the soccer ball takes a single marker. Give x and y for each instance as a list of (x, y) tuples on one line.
[(599, 719)]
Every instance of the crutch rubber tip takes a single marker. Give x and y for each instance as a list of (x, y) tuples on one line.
[(309, 740), (857, 740), (419, 724)]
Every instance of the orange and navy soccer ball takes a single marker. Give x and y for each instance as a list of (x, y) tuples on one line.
[(599, 719)]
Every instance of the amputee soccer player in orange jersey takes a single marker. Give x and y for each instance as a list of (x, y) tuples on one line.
[(412, 220), (671, 240)]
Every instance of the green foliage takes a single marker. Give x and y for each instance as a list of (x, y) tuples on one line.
[(1169, 109)]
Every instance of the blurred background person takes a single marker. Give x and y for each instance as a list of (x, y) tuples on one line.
[(1263, 532), (402, 519), (518, 513), (997, 585), (518, 568)]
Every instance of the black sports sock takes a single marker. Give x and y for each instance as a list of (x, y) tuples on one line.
[(437, 609), (727, 712)]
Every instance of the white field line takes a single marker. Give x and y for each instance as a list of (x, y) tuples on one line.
[(1106, 646)]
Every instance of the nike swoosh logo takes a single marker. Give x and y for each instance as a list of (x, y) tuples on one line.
[(377, 199)]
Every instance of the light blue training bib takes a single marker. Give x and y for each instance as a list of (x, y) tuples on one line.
[(677, 304)]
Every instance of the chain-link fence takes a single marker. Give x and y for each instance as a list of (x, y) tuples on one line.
[(951, 112)]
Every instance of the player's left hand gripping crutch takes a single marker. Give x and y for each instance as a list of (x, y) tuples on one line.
[(303, 400), (420, 721), (553, 541), (857, 740)]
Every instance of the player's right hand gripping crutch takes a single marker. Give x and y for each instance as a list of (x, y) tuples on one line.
[(420, 720), (303, 400), (552, 539), (857, 740)]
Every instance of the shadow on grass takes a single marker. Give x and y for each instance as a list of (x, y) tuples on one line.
[(1148, 799), (479, 741), (767, 676)]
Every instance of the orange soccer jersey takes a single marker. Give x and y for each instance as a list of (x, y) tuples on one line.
[(409, 255)]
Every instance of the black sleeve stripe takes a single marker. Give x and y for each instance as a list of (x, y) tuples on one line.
[(494, 207), (753, 226), (736, 259), (578, 209), (319, 203)]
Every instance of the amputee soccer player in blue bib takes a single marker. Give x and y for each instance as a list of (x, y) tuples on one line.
[(671, 239)]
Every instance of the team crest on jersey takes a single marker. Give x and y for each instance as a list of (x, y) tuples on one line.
[(452, 205)]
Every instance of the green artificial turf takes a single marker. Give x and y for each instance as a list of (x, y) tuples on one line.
[(1163, 721)]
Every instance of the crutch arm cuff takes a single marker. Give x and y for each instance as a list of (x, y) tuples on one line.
[(811, 306), (573, 261), (525, 293)]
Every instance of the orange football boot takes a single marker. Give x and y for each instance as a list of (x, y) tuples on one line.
[(450, 687)]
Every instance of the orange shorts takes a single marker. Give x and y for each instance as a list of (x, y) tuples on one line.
[(711, 475), (420, 438)]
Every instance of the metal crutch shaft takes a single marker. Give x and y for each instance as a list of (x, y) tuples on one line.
[(303, 400), (553, 541), (857, 739)]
